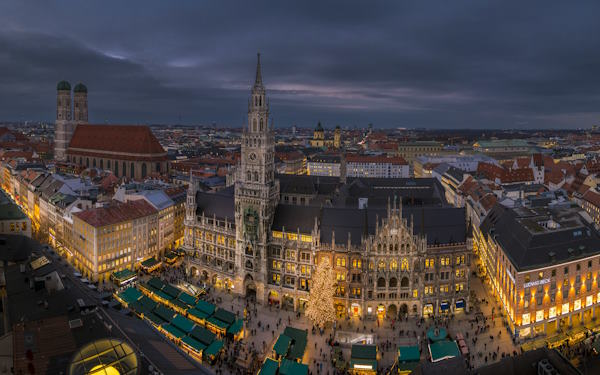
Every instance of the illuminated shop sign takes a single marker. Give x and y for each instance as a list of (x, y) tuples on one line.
[(536, 283)]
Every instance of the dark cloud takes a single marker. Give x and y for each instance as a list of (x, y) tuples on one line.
[(413, 64)]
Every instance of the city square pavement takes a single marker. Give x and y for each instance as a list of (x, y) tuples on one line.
[(487, 339)]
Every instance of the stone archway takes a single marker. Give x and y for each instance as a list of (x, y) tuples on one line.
[(249, 288), (392, 311), (403, 309), (194, 271), (204, 275)]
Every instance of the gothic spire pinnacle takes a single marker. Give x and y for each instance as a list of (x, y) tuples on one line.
[(258, 81)]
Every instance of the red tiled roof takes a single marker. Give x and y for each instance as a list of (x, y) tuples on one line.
[(493, 172), (17, 135), (488, 201), (116, 212), (592, 197), (130, 139)]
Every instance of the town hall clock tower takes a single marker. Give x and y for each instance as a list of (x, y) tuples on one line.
[(256, 194)]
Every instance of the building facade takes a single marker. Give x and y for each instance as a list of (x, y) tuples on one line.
[(376, 166), (114, 237), (542, 264), (388, 260)]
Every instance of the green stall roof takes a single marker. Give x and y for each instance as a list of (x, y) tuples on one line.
[(138, 308), (203, 335), (171, 290), (236, 327), (152, 317), (150, 262), (214, 348), (445, 349), (163, 295), (288, 367), (193, 344), (174, 331), (363, 351), (206, 307), (299, 340), (130, 295), (269, 367), (164, 313), (156, 283), (179, 304), (214, 321), (148, 303), (282, 345), (187, 299), (224, 316), (197, 314), (408, 354), (183, 323), (123, 274)]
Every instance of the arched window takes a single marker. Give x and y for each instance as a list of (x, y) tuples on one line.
[(158, 167), (404, 282), (261, 124), (124, 170), (108, 164), (87, 162), (404, 264), (144, 170), (101, 163), (254, 125), (393, 282), (117, 169), (394, 265), (94, 162), (381, 266), (80, 161), (132, 170), (248, 264), (256, 176), (381, 282), (248, 176)]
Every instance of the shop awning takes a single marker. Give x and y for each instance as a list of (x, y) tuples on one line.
[(460, 304), (444, 306)]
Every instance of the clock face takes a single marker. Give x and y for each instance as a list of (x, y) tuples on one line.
[(253, 156)]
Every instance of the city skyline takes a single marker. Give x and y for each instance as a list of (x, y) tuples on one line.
[(465, 66)]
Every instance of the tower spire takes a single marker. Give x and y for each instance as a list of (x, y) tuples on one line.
[(258, 80)]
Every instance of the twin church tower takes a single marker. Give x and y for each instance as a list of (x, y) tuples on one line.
[(66, 118)]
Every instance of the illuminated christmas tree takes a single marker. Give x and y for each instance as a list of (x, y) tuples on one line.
[(320, 307)]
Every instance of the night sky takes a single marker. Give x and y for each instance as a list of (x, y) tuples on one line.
[(434, 64)]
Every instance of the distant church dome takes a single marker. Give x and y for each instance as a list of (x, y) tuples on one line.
[(80, 87), (319, 127), (63, 85)]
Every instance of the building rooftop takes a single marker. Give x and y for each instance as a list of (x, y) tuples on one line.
[(128, 139), (116, 212), (9, 210), (541, 236)]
